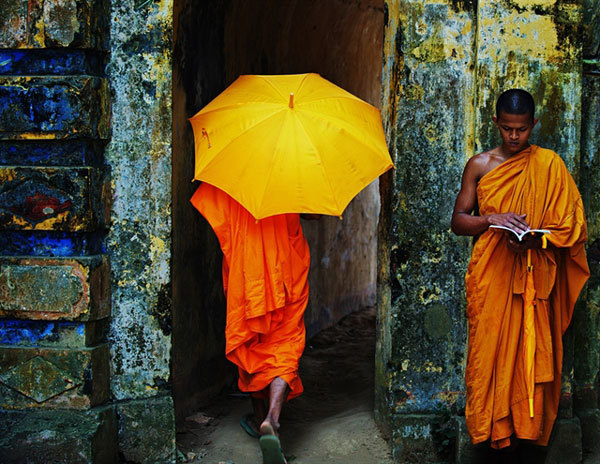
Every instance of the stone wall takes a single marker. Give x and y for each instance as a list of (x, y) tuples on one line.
[(586, 321), (55, 295), (139, 239), (445, 62), (85, 191)]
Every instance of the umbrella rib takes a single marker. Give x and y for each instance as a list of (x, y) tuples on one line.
[(272, 166), (284, 97), (232, 106), (302, 83), (237, 137), (372, 140), (347, 97), (322, 164)]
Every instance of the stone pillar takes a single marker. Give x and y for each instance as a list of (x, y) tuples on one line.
[(54, 200), (587, 318), (428, 111), (139, 241)]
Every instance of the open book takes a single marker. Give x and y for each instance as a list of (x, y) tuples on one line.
[(523, 234)]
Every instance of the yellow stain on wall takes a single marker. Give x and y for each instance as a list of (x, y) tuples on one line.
[(157, 245), (435, 49), (40, 35), (524, 34), (58, 219), (533, 3), (430, 367), (35, 136)]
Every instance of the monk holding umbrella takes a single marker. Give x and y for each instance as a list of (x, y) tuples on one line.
[(268, 149)]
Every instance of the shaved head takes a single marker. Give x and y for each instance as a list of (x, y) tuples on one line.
[(515, 101)]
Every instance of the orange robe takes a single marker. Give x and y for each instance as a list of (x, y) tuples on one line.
[(265, 277), (536, 182)]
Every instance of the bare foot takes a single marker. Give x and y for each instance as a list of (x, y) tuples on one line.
[(269, 428)]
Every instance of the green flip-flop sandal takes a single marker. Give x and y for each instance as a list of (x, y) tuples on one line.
[(245, 423), (271, 450)]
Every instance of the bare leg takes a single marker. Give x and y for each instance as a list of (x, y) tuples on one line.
[(278, 391), (260, 410)]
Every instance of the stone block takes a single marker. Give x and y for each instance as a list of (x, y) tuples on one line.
[(147, 430), (52, 334), (55, 288), (48, 243), (413, 440), (62, 199), (69, 152), (47, 62), (49, 437), (53, 378), (465, 451), (54, 23), (590, 433), (565, 442), (54, 107)]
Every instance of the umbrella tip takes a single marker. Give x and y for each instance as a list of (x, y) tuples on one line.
[(292, 100), (530, 407)]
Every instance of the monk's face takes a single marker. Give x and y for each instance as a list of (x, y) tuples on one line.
[(514, 130)]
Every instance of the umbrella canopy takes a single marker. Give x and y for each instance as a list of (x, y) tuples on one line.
[(289, 144)]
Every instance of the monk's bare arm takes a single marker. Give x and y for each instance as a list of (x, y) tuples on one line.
[(463, 221)]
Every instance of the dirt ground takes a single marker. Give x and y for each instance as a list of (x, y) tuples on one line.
[(332, 422)]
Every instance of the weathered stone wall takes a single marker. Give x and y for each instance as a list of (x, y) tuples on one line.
[(55, 296), (342, 41), (139, 240), (428, 104), (445, 62), (586, 321)]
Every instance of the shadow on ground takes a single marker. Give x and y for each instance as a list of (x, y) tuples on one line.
[(332, 422)]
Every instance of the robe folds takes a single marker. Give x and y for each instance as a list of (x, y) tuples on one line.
[(536, 182), (265, 278)]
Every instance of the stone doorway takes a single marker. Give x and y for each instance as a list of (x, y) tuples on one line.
[(214, 42)]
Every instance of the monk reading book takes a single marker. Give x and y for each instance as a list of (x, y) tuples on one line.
[(520, 293), (265, 278)]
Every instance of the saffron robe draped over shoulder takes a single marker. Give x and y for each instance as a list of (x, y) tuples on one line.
[(536, 182), (265, 278)]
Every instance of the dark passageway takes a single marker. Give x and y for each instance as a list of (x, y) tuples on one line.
[(215, 41)]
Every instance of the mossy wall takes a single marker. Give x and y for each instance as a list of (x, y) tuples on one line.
[(139, 241)]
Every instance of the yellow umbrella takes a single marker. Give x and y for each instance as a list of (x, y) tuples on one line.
[(289, 143), (529, 339), (529, 342)]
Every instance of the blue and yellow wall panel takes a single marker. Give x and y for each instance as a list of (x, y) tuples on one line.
[(55, 120)]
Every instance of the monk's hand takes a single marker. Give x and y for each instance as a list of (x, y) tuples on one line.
[(513, 243), (513, 221), (529, 241)]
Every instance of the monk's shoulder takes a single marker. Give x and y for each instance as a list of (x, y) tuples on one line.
[(482, 163), (549, 159)]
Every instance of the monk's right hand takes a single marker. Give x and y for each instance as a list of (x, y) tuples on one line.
[(513, 221)]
